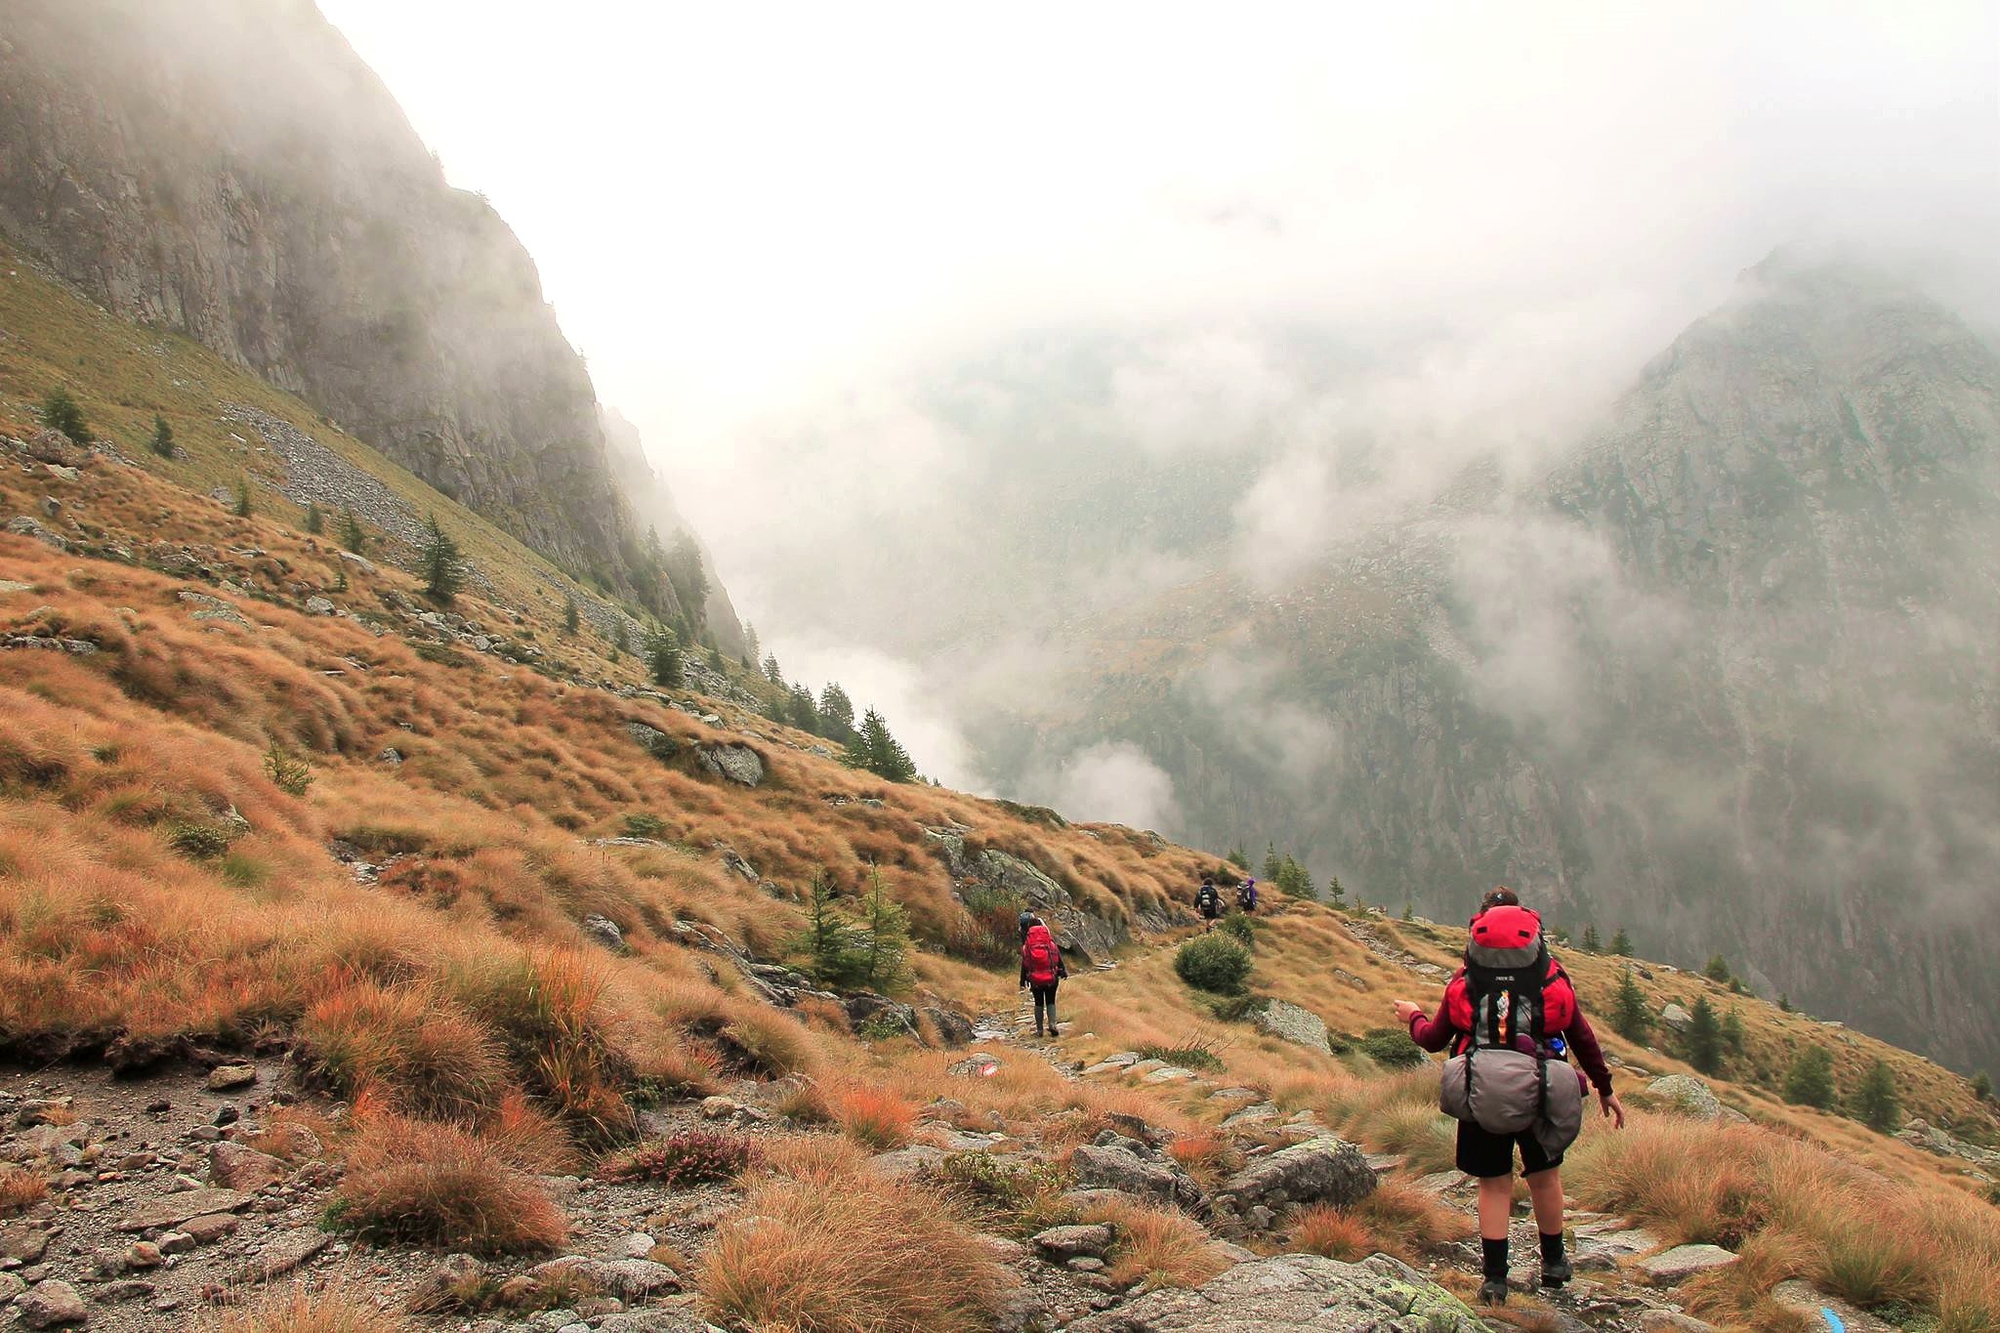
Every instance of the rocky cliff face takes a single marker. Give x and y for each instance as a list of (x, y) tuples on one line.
[(231, 170)]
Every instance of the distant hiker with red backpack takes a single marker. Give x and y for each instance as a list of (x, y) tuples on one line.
[(1511, 1019), (1042, 970)]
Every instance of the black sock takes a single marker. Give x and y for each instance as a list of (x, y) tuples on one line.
[(1552, 1249), (1493, 1256)]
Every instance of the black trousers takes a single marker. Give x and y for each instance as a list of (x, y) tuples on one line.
[(1045, 1003)]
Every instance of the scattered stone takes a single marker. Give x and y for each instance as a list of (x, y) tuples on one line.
[(1675, 1017), (1294, 1292), (144, 1254), (185, 1210), (603, 930), (178, 1242), (440, 1288), (1293, 1023), (319, 606), (629, 1279), (10, 1287), (52, 1305), (909, 1161), (43, 1111), (226, 1114), (1131, 1167), (24, 525), (233, 1166), (1673, 1321), (214, 608), (1064, 1243), (977, 1065), (1688, 1095), (1684, 1261), (282, 1255), (207, 1229), (23, 1243), (390, 755)]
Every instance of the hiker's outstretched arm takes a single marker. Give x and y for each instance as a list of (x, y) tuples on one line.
[(1433, 1034)]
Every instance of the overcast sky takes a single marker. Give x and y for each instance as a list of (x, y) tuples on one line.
[(750, 216)]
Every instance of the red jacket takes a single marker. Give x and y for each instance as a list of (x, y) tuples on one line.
[(1453, 1026)]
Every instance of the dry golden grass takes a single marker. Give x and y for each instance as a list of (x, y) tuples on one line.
[(1328, 1231), (433, 1184), (20, 1190), (1159, 1247), (837, 1249), (1797, 1211), (341, 1308), (875, 1117)]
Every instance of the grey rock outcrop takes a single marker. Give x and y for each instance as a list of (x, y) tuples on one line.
[(736, 763), (1294, 1023), (1085, 936), (1112, 1161), (1296, 1293), (1319, 1170), (1688, 1095)]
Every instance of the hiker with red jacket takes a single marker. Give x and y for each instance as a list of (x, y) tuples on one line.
[(1042, 970), (1511, 1020)]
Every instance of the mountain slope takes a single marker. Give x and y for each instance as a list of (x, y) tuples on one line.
[(232, 171)]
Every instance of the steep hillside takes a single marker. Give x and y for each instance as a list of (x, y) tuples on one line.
[(410, 929), (231, 170), (1726, 678)]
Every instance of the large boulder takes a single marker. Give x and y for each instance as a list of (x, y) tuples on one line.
[(1296, 1293), (1320, 1170), (1114, 1162), (1293, 1023), (235, 1167), (1688, 1095), (1674, 1017), (736, 763), (52, 1305)]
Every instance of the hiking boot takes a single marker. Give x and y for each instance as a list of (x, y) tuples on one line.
[(1492, 1293), (1555, 1274)]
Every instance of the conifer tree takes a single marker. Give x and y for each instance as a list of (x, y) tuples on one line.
[(1238, 857), (351, 535), (441, 562), (1717, 969), (1334, 893), (315, 520), (1409, 912), (663, 657), (241, 506), (885, 965), (715, 659), (1272, 865), (1877, 1103), (162, 442), (801, 712), (1982, 1086), (571, 616), (60, 412), (1704, 1037), (874, 749), (837, 711), (1784, 1003), (1621, 943), (1591, 944), (1732, 1032), (1630, 1017), (685, 572), (833, 946), (1809, 1082), (771, 671), (752, 650)]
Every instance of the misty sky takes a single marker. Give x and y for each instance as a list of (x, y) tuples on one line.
[(754, 216)]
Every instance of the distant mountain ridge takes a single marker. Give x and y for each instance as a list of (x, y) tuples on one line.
[(232, 170), (1728, 676)]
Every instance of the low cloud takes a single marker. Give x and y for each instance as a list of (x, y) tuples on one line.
[(1116, 783)]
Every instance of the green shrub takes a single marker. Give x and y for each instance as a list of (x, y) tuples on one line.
[(1017, 1200), (1809, 1082), (1391, 1047), (287, 771), (60, 412), (1202, 1053), (1242, 929), (644, 825), (1238, 1008), (1213, 962), (203, 842)]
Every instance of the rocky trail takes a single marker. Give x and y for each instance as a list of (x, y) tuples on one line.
[(163, 1207)]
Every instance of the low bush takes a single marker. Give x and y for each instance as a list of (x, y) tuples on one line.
[(1391, 1047), (1213, 962), (1332, 1234), (1013, 1199), (1201, 1052), (432, 1184), (862, 1254), (1157, 1246), (1242, 929), (416, 1050), (685, 1159), (1238, 1008), (643, 825), (288, 772)]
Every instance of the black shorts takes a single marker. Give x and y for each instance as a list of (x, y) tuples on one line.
[(1487, 1155)]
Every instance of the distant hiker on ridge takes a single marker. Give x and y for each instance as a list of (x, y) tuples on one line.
[(1042, 970), (1510, 1017), (1207, 901), (1246, 896)]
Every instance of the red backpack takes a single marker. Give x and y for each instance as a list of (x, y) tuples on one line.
[(1039, 956), (1510, 986)]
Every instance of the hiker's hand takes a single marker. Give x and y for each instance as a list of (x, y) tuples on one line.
[(1614, 1110), (1405, 1011)]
